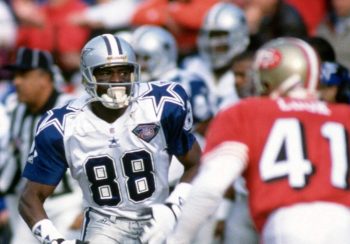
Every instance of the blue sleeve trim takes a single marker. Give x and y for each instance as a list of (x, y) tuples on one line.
[(46, 162)]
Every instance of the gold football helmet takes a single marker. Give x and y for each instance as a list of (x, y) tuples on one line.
[(287, 66)]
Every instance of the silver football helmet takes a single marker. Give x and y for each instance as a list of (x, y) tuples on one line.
[(155, 49), (223, 35), (287, 67), (107, 51), (125, 34)]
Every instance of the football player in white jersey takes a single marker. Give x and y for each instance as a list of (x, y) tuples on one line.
[(118, 143), (223, 35)]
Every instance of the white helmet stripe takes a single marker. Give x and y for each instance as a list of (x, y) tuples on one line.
[(313, 77), (112, 44), (214, 16)]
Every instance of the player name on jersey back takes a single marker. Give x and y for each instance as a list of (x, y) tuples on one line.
[(310, 106)]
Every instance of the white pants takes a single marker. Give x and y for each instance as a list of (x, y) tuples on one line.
[(308, 223), (101, 229)]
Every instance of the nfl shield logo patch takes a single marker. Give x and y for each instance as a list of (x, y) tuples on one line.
[(146, 131)]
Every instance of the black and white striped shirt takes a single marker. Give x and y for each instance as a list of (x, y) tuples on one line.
[(21, 134)]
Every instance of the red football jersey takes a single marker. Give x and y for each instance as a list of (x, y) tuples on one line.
[(298, 151)]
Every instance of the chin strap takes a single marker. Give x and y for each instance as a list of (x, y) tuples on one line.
[(115, 98)]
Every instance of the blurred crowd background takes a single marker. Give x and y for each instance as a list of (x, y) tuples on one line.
[(62, 27)]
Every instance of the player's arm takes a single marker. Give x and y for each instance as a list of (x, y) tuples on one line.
[(179, 195), (191, 162), (45, 168), (32, 200), (31, 208), (217, 172)]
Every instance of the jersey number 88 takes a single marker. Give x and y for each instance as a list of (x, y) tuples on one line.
[(138, 171)]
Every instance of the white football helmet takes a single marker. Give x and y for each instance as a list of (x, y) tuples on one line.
[(223, 35), (287, 67), (106, 51), (155, 49)]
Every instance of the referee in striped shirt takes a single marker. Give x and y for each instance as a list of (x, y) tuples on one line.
[(35, 90)]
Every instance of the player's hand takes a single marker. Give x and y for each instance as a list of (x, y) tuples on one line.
[(161, 224), (63, 241)]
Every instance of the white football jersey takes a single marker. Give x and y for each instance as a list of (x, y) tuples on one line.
[(222, 90), (122, 167), (197, 90)]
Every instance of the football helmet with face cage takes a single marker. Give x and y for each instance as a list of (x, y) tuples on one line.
[(103, 51), (287, 66), (156, 51), (223, 35)]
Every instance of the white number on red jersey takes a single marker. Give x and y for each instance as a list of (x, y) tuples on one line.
[(336, 135), (284, 153)]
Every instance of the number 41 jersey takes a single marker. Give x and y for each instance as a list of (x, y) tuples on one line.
[(298, 151), (122, 167)]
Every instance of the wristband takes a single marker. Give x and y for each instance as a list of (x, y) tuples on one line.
[(45, 231)]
